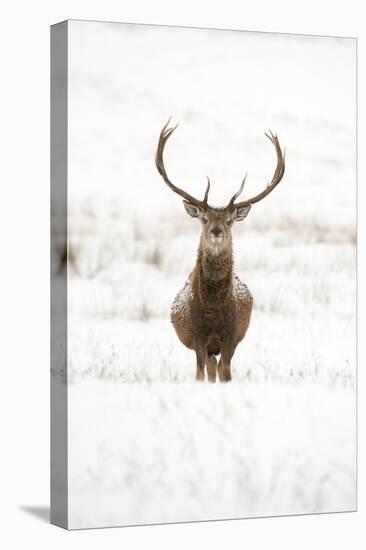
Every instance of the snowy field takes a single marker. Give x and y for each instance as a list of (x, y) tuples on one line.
[(146, 442)]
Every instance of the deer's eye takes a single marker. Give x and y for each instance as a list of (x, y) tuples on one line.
[(229, 222), (204, 220)]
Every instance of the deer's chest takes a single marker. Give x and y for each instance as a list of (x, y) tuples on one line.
[(209, 320)]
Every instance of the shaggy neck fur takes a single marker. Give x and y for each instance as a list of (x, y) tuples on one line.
[(214, 273)]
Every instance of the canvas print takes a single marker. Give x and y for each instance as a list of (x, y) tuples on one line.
[(203, 274)]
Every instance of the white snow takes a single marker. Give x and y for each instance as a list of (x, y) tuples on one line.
[(146, 443), (166, 452)]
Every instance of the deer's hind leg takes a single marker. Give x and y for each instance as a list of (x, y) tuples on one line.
[(211, 365)]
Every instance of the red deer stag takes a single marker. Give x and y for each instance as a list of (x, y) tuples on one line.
[(211, 313)]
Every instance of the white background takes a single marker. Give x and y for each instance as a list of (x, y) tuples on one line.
[(25, 260)]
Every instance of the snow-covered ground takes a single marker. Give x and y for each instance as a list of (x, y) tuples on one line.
[(146, 443)]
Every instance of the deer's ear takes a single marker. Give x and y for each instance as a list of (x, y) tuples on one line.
[(241, 212), (192, 210)]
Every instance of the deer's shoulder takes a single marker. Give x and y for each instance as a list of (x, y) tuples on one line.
[(180, 305), (241, 292)]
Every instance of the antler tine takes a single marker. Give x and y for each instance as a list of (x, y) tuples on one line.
[(239, 192), (207, 190), (277, 176), (165, 134)]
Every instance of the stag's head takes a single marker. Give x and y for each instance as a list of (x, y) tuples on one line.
[(217, 222)]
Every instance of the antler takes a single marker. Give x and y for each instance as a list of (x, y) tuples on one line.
[(163, 138), (277, 176)]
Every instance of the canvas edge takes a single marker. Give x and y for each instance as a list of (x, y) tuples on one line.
[(58, 275)]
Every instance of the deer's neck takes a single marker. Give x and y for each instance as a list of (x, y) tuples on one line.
[(214, 274)]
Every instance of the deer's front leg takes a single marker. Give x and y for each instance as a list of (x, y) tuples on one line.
[(201, 360), (223, 368)]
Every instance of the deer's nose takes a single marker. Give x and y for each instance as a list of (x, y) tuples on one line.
[(216, 231)]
